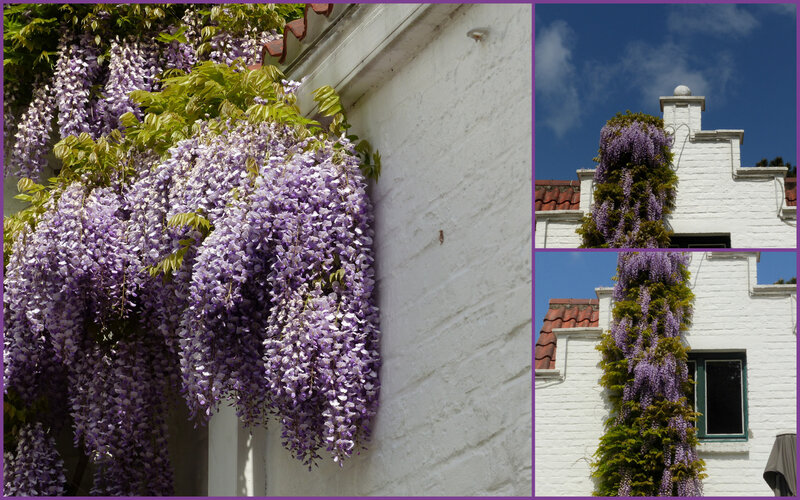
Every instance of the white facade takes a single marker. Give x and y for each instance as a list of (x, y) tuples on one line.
[(731, 313), (714, 194), (453, 251)]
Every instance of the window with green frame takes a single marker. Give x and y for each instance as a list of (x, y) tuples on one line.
[(720, 394)]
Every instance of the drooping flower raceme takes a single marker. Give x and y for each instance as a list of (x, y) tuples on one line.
[(133, 65), (34, 469), (70, 288), (75, 73), (298, 237), (648, 448), (28, 154)]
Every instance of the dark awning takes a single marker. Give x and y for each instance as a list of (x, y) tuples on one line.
[(780, 473)]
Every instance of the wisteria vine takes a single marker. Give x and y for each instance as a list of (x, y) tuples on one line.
[(69, 94), (634, 186), (648, 448), (233, 266)]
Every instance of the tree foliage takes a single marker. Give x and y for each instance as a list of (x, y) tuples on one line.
[(778, 162)]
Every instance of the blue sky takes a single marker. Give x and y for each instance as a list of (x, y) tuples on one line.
[(574, 275), (593, 61)]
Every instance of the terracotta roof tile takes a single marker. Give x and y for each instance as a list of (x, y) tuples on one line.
[(558, 195), (563, 313), (297, 29), (791, 191), (566, 195)]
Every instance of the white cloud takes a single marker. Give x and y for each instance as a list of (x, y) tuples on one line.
[(788, 9), (727, 20), (554, 56), (556, 77), (656, 70), (576, 256)]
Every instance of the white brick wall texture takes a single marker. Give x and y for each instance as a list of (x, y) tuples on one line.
[(714, 195), (455, 415), (556, 233), (730, 313)]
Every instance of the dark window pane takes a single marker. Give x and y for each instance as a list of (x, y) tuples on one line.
[(700, 241), (724, 397), (690, 365)]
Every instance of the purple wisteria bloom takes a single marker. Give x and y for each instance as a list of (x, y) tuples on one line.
[(75, 73), (28, 154), (133, 65), (623, 149), (35, 467), (655, 377), (269, 306)]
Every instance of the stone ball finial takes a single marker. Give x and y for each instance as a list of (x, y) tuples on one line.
[(682, 90)]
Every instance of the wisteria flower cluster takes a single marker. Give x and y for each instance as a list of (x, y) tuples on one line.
[(30, 147), (649, 445), (71, 93), (76, 71), (35, 469), (133, 65), (269, 305), (68, 290), (634, 185)]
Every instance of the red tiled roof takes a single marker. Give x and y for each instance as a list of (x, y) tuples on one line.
[(791, 191), (563, 313), (566, 195), (558, 195), (297, 29)]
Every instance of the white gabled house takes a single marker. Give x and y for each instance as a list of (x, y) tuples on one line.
[(718, 203), (743, 348)]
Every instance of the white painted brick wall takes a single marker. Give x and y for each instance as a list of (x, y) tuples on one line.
[(555, 233), (728, 315), (568, 420), (709, 197), (453, 128)]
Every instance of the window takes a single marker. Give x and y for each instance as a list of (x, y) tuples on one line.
[(720, 395), (722, 240)]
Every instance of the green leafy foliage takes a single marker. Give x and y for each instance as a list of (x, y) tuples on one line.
[(238, 19), (172, 262), (330, 105), (792, 281), (32, 31), (211, 91)]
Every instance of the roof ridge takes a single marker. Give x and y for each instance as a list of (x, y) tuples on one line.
[(556, 182), (575, 301)]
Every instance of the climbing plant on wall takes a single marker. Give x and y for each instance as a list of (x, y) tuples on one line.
[(201, 238), (648, 448), (634, 186), (77, 63)]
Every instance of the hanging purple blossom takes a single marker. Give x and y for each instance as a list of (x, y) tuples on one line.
[(28, 154), (75, 73), (133, 65), (35, 468), (631, 147), (656, 376)]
